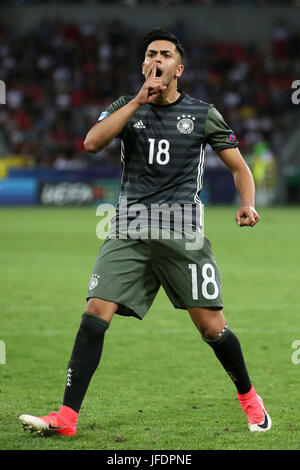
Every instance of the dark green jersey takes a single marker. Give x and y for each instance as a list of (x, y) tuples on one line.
[(163, 150)]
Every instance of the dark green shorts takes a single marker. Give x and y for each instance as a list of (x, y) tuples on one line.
[(130, 272)]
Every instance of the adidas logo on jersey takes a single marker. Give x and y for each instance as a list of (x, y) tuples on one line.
[(139, 125)]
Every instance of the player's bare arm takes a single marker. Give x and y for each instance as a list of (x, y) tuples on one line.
[(244, 183), (102, 133)]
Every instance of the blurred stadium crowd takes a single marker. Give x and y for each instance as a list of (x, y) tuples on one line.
[(60, 76)]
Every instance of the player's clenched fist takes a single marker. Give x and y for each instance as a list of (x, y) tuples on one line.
[(152, 87), (247, 216)]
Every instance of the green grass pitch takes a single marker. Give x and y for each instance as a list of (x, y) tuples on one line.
[(159, 386)]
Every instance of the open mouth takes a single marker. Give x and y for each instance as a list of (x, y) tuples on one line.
[(158, 73)]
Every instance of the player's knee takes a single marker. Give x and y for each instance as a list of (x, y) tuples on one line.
[(101, 308), (215, 326), (211, 332), (209, 322)]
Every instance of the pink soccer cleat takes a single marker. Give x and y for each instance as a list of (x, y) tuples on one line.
[(254, 408), (59, 423)]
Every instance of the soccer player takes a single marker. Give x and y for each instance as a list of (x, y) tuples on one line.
[(163, 135)]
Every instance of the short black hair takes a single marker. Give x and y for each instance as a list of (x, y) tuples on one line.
[(160, 34)]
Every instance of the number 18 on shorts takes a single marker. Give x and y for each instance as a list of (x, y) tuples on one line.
[(130, 273)]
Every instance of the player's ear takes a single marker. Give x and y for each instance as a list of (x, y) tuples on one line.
[(180, 70)]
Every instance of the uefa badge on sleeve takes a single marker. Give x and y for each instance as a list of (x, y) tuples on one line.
[(232, 138), (102, 116)]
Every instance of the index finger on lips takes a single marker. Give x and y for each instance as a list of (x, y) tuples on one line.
[(152, 72)]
